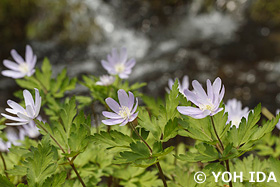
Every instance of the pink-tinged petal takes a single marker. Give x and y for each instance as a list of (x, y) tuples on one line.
[(113, 121), (28, 99), (191, 97), (11, 65), (130, 100), (130, 63), (17, 57), (106, 65), (38, 101), (111, 115), (15, 106), (123, 98), (135, 107), (113, 104), (14, 118), (13, 74), (199, 90), (132, 117), (124, 122), (209, 90), (123, 55), (28, 54)]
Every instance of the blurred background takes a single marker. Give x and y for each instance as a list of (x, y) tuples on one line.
[(237, 40)]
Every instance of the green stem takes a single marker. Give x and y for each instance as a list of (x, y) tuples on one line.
[(151, 152), (70, 161), (222, 147), (4, 164)]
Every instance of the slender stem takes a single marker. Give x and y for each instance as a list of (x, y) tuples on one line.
[(70, 161), (4, 164), (136, 132), (222, 147), (151, 152), (217, 133), (267, 113)]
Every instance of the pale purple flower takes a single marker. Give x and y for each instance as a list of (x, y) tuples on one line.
[(13, 138), (105, 80), (118, 64), (235, 112), (123, 113), (182, 87), (278, 124), (21, 67), (208, 104), (24, 116)]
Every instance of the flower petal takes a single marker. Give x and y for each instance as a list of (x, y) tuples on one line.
[(130, 63), (17, 57), (130, 100), (123, 55), (199, 90), (111, 115), (28, 99), (28, 54), (210, 90), (14, 118), (133, 116), (106, 65), (123, 98), (113, 121), (124, 122), (113, 104), (15, 106), (13, 74), (38, 101), (191, 97), (11, 65), (135, 107)]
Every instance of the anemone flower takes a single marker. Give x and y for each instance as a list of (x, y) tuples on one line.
[(24, 116), (31, 130), (105, 80), (123, 112), (21, 67), (208, 104), (117, 64), (235, 112), (278, 124), (182, 87)]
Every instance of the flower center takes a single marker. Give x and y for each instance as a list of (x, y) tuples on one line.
[(24, 68), (206, 107), (124, 112), (119, 67)]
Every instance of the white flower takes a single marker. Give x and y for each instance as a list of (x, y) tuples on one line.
[(22, 67), (31, 130), (182, 87), (117, 64), (235, 112), (105, 80), (13, 138), (24, 116)]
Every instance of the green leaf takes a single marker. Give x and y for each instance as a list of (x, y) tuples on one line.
[(67, 114), (173, 101), (5, 182), (150, 124), (170, 130), (55, 180), (42, 164)]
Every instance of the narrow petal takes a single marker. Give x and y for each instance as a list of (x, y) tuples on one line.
[(170, 83), (28, 54), (191, 97), (113, 104), (217, 86), (33, 62), (113, 121), (130, 100), (28, 99), (115, 56), (135, 107), (23, 116), (199, 90), (11, 65), (221, 96), (13, 74), (123, 97), (111, 115), (187, 110), (209, 90), (130, 63), (17, 57), (14, 118), (16, 124), (30, 112), (132, 117), (15, 106), (11, 111), (123, 76), (106, 65), (124, 122), (38, 101)]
